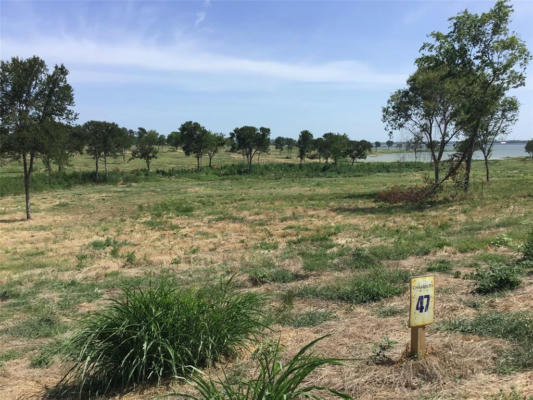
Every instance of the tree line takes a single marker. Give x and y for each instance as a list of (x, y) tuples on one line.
[(37, 122), (459, 91)]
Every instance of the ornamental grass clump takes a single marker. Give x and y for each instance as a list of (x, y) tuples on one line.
[(152, 333)]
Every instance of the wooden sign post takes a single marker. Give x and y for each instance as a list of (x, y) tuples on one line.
[(421, 311)]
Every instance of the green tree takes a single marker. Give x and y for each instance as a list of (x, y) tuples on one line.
[(248, 140), (145, 146), (290, 143), (529, 147), (358, 149), (305, 144), (322, 149), (389, 144), (60, 142), (336, 145), (31, 98), (497, 124), (194, 140), (426, 110), (174, 140), (377, 144), (279, 144), (216, 141), (483, 61), (125, 140), (103, 140)]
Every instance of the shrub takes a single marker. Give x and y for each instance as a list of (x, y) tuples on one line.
[(496, 278), (274, 379), (159, 331)]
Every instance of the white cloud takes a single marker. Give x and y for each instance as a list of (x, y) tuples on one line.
[(135, 56), (200, 16)]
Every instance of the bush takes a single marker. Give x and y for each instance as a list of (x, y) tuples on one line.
[(160, 331), (496, 278), (274, 379)]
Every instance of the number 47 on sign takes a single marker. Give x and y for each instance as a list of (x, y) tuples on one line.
[(421, 311)]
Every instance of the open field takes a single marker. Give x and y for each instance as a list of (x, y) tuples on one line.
[(308, 245)]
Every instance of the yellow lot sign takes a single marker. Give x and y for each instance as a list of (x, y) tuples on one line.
[(422, 304)]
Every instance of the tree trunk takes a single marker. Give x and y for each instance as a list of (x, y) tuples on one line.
[(486, 167), (96, 168), (197, 163), (148, 164), (27, 174), (468, 165), (353, 160), (105, 165), (210, 161), (436, 169)]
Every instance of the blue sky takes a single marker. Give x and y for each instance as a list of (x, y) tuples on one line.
[(288, 65)]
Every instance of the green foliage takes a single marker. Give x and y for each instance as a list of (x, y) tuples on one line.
[(273, 380), (170, 207), (496, 278), (512, 395), (160, 331), (529, 147), (248, 140), (305, 144), (362, 288), (145, 147)]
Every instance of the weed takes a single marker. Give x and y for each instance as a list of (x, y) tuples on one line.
[(45, 324), (273, 380), (496, 278), (527, 247)]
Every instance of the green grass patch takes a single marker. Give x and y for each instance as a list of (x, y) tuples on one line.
[(443, 266), (516, 327), (361, 288), (496, 278)]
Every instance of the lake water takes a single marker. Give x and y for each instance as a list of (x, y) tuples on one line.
[(499, 152)]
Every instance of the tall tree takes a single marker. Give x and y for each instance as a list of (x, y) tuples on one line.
[(60, 142), (145, 146), (290, 143), (248, 140), (174, 140), (305, 144), (215, 142), (194, 140), (529, 147), (336, 145), (358, 149), (103, 140), (279, 144), (495, 125), (389, 144), (377, 144), (426, 109), (482, 60), (30, 98)]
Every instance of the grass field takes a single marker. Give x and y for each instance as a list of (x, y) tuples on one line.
[(325, 256)]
